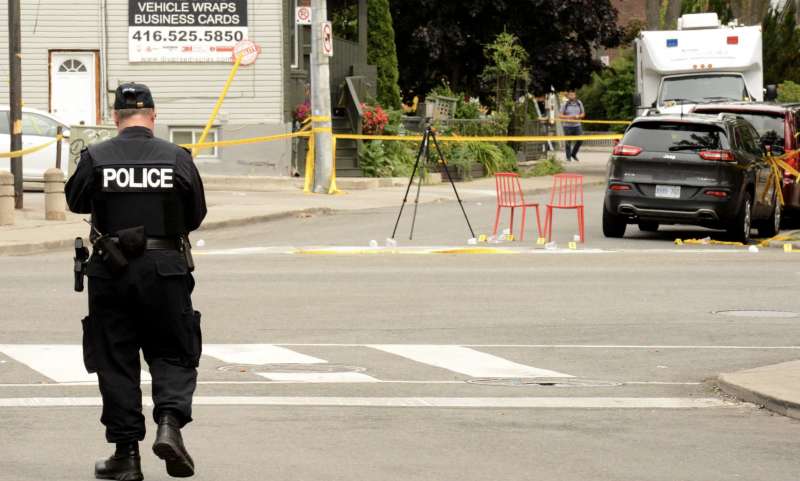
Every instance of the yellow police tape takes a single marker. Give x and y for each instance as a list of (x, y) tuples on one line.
[(778, 165), (29, 150), (706, 241), (460, 138)]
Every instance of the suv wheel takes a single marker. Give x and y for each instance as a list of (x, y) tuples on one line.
[(613, 225), (648, 226), (740, 228), (771, 226)]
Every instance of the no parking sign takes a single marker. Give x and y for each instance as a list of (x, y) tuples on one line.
[(327, 39), (302, 16)]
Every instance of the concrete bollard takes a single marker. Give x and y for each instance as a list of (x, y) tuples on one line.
[(6, 198), (55, 204)]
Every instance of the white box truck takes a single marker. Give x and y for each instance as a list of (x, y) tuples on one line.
[(702, 61)]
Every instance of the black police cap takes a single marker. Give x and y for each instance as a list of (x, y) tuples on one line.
[(133, 96)]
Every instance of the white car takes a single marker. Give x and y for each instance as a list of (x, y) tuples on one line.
[(38, 127)]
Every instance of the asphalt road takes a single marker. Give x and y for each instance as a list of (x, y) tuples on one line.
[(568, 365)]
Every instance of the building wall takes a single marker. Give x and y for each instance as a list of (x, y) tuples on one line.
[(185, 93)]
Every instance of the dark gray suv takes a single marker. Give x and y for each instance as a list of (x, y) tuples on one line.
[(692, 169)]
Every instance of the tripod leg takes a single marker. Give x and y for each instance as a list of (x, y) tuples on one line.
[(423, 147), (447, 172), (416, 206)]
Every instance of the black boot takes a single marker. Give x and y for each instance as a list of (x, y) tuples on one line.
[(169, 447), (124, 465)]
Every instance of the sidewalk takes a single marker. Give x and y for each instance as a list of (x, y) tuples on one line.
[(775, 387), (247, 200)]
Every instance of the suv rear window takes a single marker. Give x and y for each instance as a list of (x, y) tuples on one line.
[(672, 137)]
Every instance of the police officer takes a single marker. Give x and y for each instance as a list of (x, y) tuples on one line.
[(145, 195)]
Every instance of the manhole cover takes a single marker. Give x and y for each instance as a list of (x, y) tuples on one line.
[(543, 382), (289, 368), (764, 313)]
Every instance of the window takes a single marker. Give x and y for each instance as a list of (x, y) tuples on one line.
[(72, 65), (674, 137), (4, 122), (188, 135), (697, 88), (33, 124)]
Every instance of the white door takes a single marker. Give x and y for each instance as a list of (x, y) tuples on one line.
[(73, 87)]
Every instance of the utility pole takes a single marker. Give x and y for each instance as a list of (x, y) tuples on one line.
[(321, 98), (15, 96)]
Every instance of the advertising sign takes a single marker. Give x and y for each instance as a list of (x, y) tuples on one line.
[(185, 30)]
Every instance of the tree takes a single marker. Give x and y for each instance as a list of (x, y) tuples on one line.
[(507, 65), (781, 45), (721, 7), (382, 52), (610, 93), (447, 39)]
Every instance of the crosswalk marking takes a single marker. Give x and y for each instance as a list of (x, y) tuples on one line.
[(64, 363), (464, 360), (257, 354), (60, 362), (318, 377)]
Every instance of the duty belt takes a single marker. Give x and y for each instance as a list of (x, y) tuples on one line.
[(155, 244)]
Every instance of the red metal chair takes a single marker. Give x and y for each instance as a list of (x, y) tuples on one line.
[(567, 193), (509, 195)]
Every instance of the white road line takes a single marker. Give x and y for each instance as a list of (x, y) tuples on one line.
[(317, 377), (59, 362), (257, 354), (464, 360), (405, 402), (370, 380)]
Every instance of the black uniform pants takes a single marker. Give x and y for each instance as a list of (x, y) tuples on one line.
[(148, 307)]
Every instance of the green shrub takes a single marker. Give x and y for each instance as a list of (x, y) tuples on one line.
[(609, 96), (548, 166), (789, 91)]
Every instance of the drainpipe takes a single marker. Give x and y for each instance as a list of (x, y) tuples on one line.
[(104, 114)]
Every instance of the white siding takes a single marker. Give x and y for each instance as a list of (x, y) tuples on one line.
[(184, 92), (46, 25)]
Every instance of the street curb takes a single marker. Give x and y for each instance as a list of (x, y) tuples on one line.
[(43, 247), (780, 406), (245, 183)]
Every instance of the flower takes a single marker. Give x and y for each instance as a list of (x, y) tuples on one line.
[(374, 120)]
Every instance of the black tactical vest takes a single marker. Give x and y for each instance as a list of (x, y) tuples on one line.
[(137, 186)]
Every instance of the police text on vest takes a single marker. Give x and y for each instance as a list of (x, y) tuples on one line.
[(137, 178)]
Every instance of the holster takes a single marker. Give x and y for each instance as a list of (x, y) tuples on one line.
[(132, 242), (110, 254), (186, 249)]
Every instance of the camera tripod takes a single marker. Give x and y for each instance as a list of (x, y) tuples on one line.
[(424, 149)]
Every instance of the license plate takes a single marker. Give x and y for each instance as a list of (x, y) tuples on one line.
[(668, 191)]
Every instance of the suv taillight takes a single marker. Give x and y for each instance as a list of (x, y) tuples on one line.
[(626, 150), (721, 155)]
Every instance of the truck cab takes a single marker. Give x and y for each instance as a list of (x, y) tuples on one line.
[(703, 61)]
